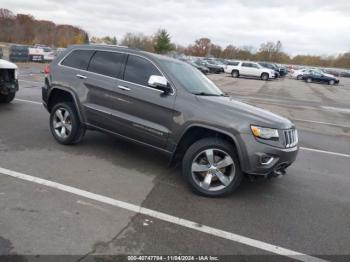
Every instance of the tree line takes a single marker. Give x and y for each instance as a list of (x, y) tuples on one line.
[(160, 42), (25, 29)]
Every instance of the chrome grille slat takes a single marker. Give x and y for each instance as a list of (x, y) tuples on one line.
[(291, 138)]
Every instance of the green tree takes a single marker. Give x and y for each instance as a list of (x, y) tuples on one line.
[(162, 42)]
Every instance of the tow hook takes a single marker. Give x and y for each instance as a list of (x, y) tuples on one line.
[(277, 173)]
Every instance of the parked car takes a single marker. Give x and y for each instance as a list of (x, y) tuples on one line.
[(314, 76), (19, 53), (298, 74), (40, 53), (271, 66), (344, 74), (283, 70), (203, 69), (250, 69), (215, 62), (167, 105), (8, 81), (212, 67)]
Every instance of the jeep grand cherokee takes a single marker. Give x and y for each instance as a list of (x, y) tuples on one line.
[(170, 106)]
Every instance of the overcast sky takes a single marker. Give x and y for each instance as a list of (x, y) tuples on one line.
[(306, 27)]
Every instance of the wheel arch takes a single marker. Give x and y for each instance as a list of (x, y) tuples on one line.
[(61, 94), (196, 132)]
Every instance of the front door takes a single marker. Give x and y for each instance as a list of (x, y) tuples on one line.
[(147, 112)]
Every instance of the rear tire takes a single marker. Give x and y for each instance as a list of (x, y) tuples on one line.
[(299, 77), (235, 74), (65, 125), (7, 98), (224, 178)]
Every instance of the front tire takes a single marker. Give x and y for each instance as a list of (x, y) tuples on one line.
[(264, 76), (65, 125), (7, 98), (309, 80), (331, 82), (211, 167)]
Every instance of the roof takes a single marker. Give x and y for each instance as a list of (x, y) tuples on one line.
[(7, 65), (124, 49)]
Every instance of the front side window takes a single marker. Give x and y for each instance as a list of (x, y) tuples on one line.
[(107, 63), (191, 78), (138, 70), (246, 65), (78, 59)]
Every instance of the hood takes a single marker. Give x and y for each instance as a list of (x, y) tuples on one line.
[(7, 65), (245, 112), (328, 75)]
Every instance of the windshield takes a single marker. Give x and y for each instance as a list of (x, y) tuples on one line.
[(192, 79)]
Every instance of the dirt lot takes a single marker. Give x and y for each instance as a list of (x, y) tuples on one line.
[(306, 211)]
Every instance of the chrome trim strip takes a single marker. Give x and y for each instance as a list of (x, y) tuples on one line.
[(268, 162), (123, 88)]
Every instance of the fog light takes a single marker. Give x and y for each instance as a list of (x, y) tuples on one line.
[(266, 160)]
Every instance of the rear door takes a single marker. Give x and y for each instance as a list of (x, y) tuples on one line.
[(146, 111), (255, 70), (245, 69), (102, 98)]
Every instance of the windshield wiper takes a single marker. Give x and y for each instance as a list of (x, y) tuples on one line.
[(208, 94), (205, 94)]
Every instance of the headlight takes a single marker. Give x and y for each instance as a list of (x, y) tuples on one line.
[(264, 133)]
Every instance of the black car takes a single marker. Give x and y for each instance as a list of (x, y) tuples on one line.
[(318, 77), (203, 69), (283, 71), (19, 53), (271, 66), (212, 68)]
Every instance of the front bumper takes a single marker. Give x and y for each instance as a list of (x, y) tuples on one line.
[(262, 159), (9, 87), (44, 95)]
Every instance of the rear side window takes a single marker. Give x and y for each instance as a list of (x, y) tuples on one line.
[(233, 63), (107, 63), (138, 70), (78, 59)]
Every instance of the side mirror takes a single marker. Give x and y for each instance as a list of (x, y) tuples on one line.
[(159, 82)]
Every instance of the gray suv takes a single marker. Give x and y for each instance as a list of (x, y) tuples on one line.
[(170, 106)]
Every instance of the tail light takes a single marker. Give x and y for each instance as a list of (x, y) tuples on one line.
[(47, 70)]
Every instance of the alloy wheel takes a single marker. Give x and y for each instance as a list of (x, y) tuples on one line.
[(213, 169), (62, 123)]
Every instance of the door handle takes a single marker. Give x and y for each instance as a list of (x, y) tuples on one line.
[(124, 88), (81, 76)]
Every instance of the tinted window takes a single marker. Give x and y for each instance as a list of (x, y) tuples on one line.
[(78, 59), (246, 65), (107, 63), (138, 70), (233, 63)]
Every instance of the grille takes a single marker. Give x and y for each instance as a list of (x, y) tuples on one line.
[(291, 138)]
